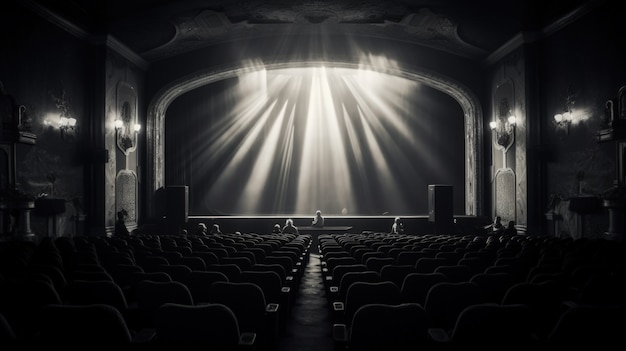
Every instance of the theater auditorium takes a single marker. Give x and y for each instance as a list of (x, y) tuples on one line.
[(312, 175)]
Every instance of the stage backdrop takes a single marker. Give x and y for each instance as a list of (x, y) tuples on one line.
[(289, 142)]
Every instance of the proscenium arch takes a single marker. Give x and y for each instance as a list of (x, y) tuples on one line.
[(155, 131)]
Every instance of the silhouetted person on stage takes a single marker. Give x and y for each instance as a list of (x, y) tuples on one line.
[(289, 228), (318, 221), (397, 227), (497, 227)]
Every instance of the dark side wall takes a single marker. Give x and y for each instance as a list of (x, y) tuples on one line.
[(581, 64), (52, 67), (48, 71)]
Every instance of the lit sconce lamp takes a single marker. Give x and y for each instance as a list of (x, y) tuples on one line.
[(126, 139), (67, 126), (563, 120), (503, 132)]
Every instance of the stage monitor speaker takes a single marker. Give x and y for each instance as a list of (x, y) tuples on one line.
[(177, 204), (440, 207)]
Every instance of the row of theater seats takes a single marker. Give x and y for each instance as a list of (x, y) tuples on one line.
[(446, 291), (230, 290)]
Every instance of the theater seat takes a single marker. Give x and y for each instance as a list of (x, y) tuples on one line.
[(384, 327), (488, 325), (151, 295), (87, 327), (200, 327), (253, 313)]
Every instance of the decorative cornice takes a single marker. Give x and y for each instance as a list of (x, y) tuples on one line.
[(127, 53), (531, 36), (56, 19), (82, 34)]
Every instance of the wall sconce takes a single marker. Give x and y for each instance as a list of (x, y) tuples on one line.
[(67, 126), (126, 139), (563, 120), (503, 132)]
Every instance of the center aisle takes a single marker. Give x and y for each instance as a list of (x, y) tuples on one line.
[(310, 327)]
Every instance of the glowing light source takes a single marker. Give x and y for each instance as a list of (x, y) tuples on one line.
[(314, 138), (67, 126), (126, 141)]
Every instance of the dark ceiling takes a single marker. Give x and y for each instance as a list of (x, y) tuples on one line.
[(159, 29)]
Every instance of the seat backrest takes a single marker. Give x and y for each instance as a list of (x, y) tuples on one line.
[(367, 255), (199, 284), (231, 270), (278, 269), (51, 271), (150, 295), (21, 302), (415, 286), (493, 324), (409, 257), (178, 272), (86, 326), (122, 273), (88, 292), (246, 300), (363, 293), (476, 264), (193, 262), (259, 253), (184, 326), (389, 327), (243, 263), (429, 264), (445, 301), (494, 285), (350, 278), (209, 258), (543, 299), (333, 262), (377, 263), (455, 273), (599, 325), (340, 270), (268, 281), (152, 263), (396, 273)]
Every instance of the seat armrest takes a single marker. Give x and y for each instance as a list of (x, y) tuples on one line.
[(285, 290), (338, 306), (289, 278), (340, 333), (247, 339), (143, 336), (272, 307), (438, 335), (334, 289)]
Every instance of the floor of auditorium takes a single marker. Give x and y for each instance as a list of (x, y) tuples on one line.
[(310, 327)]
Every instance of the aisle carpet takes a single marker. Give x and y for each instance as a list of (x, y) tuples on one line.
[(310, 327)]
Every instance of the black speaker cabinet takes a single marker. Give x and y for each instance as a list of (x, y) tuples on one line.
[(440, 207), (177, 204)]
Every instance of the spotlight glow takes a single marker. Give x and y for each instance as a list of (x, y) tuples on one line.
[(336, 139)]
